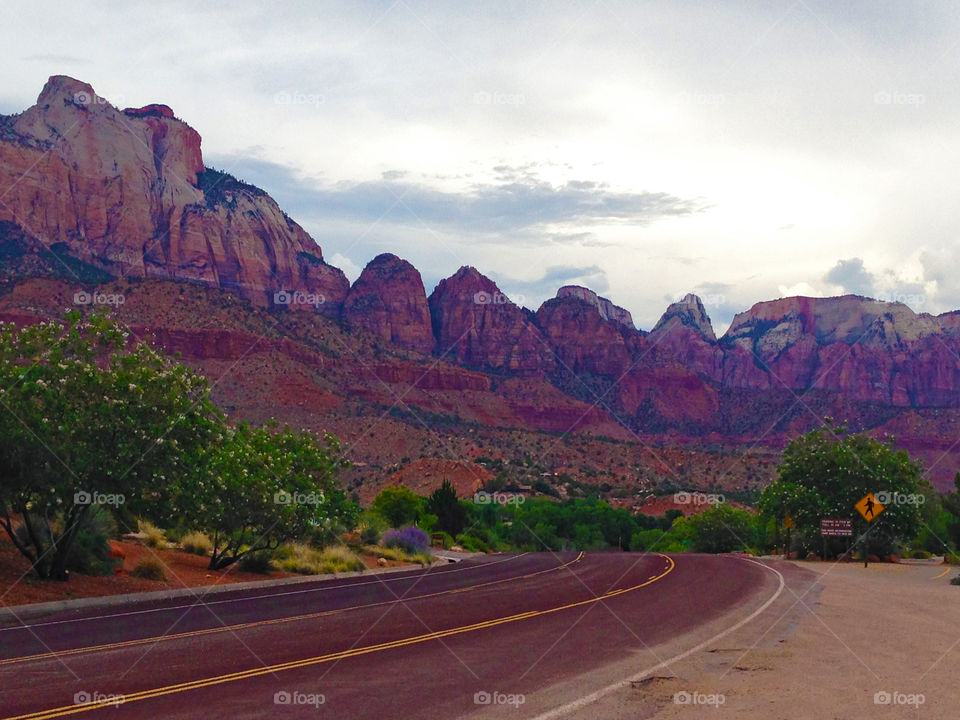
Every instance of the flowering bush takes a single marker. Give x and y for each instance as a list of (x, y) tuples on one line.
[(412, 539)]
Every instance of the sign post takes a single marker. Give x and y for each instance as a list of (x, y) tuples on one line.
[(834, 527), (869, 507)]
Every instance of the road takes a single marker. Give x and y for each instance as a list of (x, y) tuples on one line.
[(431, 643)]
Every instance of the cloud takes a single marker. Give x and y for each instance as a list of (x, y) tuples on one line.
[(511, 206), (852, 276), (532, 293), (349, 267)]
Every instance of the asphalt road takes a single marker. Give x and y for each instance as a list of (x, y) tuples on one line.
[(432, 643)]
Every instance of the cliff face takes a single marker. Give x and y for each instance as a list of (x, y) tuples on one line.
[(606, 309), (476, 324), (127, 191), (389, 301)]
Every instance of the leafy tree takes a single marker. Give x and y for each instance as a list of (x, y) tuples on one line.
[(824, 473), (450, 512), (721, 528), (398, 505), (267, 487), (87, 417)]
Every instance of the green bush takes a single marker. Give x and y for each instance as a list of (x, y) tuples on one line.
[(196, 543), (257, 562), (955, 581), (150, 568), (472, 544)]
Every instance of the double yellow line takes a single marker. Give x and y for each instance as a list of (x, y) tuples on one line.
[(330, 657), (276, 621)]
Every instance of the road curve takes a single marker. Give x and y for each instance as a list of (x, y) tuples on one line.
[(426, 643)]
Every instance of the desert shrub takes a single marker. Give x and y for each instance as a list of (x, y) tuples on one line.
[(472, 544), (340, 559), (196, 543), (446, 540), (257, 562), (90, 554), (150, 568), (152, 535), (370, 535), (955, 581), (411, 539)]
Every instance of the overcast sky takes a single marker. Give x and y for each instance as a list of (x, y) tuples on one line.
[(740, 150)]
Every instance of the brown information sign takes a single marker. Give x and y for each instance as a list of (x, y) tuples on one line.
[(836, 527)]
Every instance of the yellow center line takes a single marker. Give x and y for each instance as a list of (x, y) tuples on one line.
[(276, 621), (308, 662), (941, 574)]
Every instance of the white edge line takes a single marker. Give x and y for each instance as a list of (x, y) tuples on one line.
[(594, 696)]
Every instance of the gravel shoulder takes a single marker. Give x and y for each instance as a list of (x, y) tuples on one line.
[(839, 641)]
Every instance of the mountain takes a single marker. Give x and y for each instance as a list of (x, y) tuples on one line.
[(127, 191), (462, 381)]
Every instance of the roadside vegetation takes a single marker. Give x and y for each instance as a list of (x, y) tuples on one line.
[(102, 436)]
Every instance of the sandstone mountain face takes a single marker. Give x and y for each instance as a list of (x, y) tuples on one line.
[(127, 191), (95, 194), (607, 310), (476, 324), (388, 300)]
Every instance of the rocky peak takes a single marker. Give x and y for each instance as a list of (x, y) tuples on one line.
[(131, 201), (607, 310), (770, 327), (475, 323), (388, 299), (688, 312)]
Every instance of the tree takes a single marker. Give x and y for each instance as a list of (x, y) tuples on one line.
[(721, 528), (398, 505), (450, 512), (267, 487), (86, 418), (824, 473)]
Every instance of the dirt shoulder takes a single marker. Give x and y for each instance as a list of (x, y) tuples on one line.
[(841, 641), (18, 586)]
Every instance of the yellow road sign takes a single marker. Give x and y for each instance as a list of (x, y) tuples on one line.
[(869, 507), (788, 522)]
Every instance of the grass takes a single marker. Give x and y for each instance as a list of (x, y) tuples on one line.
[(306, 560), (400, 555), (149, 568), (196, 543), (153, 536)]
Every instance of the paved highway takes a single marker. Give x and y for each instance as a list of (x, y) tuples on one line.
[(440, 643)]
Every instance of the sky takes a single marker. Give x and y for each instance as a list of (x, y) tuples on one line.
[(743, 151)]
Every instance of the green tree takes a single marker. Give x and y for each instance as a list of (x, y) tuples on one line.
[(450, 512), (398, 505), (267, 487), (721, 528), (824, 473), (87, 417)]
